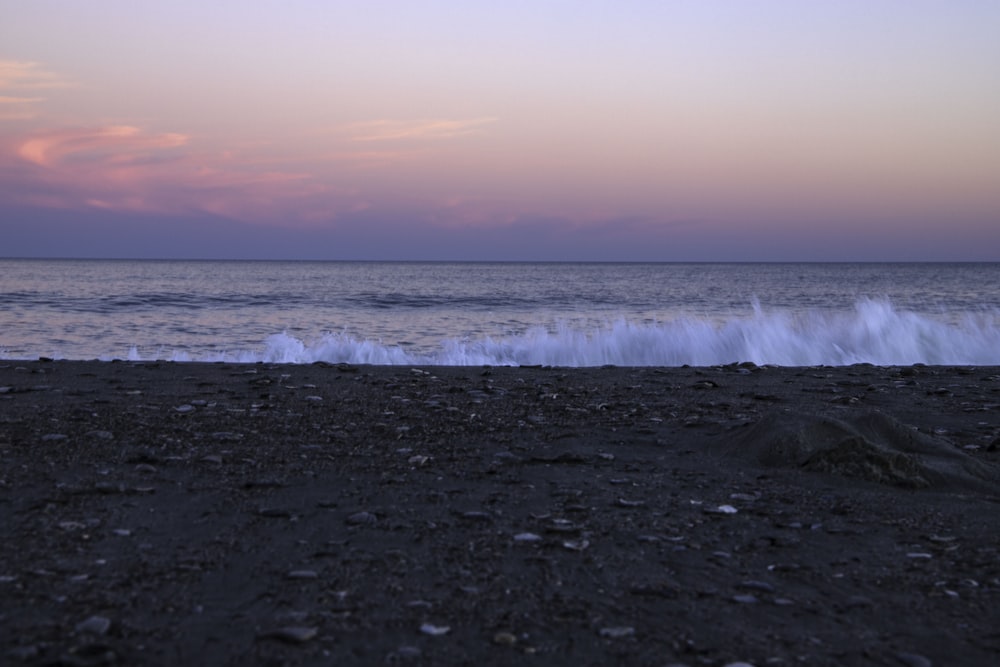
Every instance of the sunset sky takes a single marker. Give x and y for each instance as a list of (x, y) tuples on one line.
[(541, 130)]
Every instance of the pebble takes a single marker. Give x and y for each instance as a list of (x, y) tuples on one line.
[(618, 632), (302, 574), (721, 509), (505, 638), (292, 634), (184, 408), (361, 519), (434, 630), (576, 545), (745, 599), (527, 537), (97, 625)]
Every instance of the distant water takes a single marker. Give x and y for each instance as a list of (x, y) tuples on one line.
[(501, 313)]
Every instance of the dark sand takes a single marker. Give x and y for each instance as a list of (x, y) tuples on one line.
[(220, 514)]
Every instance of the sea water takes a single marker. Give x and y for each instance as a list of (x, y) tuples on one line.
[(564, 314)]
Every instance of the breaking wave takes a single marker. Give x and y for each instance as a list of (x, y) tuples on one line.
[(873, 332)]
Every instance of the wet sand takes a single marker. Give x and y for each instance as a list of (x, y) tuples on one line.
[(224, 514)]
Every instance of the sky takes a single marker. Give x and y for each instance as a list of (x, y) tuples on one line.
[(856, 130)]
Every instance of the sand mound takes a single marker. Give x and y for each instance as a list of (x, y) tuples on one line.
[(871, 446)]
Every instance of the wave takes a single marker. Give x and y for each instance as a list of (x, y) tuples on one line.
[(873, 332)]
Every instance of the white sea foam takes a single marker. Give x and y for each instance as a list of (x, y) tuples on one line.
[(873, 332)]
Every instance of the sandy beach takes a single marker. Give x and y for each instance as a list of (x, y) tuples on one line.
[(222, 514)]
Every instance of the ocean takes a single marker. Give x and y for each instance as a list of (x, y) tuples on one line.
[(453, 313)]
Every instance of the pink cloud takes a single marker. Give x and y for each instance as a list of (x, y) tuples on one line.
[(126, 168)]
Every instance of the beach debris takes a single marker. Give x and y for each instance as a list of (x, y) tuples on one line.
[(435, 630), (95, 625), (618, 632), (292, 634)]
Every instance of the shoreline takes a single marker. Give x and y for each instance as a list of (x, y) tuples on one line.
[(222, 513)]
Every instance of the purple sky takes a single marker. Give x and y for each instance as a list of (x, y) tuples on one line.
[(555, 130)]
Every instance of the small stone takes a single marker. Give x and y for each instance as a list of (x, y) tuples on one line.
[(745, 599), (722, 509), (505, 638), (95, 625), (434, 630), (122, 532), (314, 399), (618, 632), (418, 460), (527, 537), (212, 458), (623, 502), (184, 408), (919, 555), (362, 519), (302, 574), (576, 545), (292, 634)]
